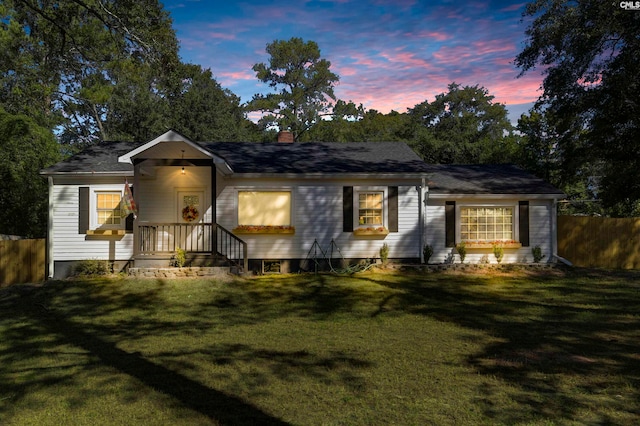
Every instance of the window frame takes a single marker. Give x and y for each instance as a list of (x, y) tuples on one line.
[(357, 190), (94, 208), (514, 223), (271, 189)]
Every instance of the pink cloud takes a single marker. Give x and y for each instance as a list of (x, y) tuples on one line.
[(346, 71), (514, 7), (219, 35), (237, 75), (431, 35)]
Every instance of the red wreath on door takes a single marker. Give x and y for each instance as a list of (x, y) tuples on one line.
[(190, 213)]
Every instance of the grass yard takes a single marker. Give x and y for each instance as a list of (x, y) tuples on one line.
[(372, 349)]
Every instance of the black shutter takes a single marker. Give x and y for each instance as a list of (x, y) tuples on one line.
[(523, 207), (83, 209), (450, 223), (393, 208), (347, 209), (128, 223)]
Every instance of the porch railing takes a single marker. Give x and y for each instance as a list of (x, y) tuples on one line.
[(231, 247), (164, 238)]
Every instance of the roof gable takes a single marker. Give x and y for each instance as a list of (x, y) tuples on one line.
[(170, 144)]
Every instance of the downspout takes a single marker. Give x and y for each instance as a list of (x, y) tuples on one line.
[(50, 233), (423, 216), (420, 223), (554, 229)]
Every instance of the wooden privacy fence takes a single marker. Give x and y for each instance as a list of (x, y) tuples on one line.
[(600, 242), (22, 261)]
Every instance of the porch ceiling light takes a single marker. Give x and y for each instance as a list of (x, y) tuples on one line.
[(183, 171)]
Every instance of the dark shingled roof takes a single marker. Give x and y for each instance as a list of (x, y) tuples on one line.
[(330, 158), (485, 179), (98, 158), (248, 157), (319, 157)]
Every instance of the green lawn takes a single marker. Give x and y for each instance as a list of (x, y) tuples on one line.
[(373, 349)]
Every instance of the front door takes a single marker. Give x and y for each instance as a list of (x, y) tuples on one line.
[(192, 234)]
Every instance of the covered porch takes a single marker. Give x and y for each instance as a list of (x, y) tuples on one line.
[(175, 186)]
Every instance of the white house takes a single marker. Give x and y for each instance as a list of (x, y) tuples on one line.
[(254, 202)]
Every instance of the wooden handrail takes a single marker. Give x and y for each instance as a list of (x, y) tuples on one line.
[(236, 251), (164, 238)]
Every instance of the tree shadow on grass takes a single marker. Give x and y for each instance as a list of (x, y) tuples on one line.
[(31, 319), (573, 327), (86, 326)]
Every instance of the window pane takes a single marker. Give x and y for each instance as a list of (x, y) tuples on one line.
[(108, 208), (370, 208), (264, 208), (486, 223)]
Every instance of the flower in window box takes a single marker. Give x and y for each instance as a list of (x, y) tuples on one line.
[(264, 229), (490, 244), (371, 230)]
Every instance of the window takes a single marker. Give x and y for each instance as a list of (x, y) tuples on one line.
[(486, 223), (264, 208), (108, 208), (370, 208)]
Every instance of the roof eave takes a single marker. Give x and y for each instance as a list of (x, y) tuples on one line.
[(92, 173), (343, 175), (435, 194)]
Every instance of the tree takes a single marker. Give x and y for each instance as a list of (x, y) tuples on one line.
[(62, 61), (190, 101), (205, 111), (25, 148), (463, 125), (538, 152), (303, 82), (590, 52)]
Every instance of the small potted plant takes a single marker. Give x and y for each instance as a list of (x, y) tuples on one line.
[(461, 248), (498, 252), (384, 253)]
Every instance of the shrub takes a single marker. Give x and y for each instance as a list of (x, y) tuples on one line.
[(384, 253), (179, 259), (537, 254), (498, 252), (91, 268), (461, 248), (427, 252)]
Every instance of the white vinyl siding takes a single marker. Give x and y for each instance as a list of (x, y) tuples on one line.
[(318, 216), (68, 244)]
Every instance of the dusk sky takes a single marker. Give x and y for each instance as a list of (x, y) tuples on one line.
[(389, 54)]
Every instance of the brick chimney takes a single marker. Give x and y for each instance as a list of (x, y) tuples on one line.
[(285, 136)]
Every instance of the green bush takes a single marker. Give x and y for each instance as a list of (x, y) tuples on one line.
[(384, 253), (427, 252), (461, 248), (537, 254), (179, 259), (498, 252), (90, 268)]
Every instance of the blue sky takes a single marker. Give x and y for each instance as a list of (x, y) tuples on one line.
[(389, 54)]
